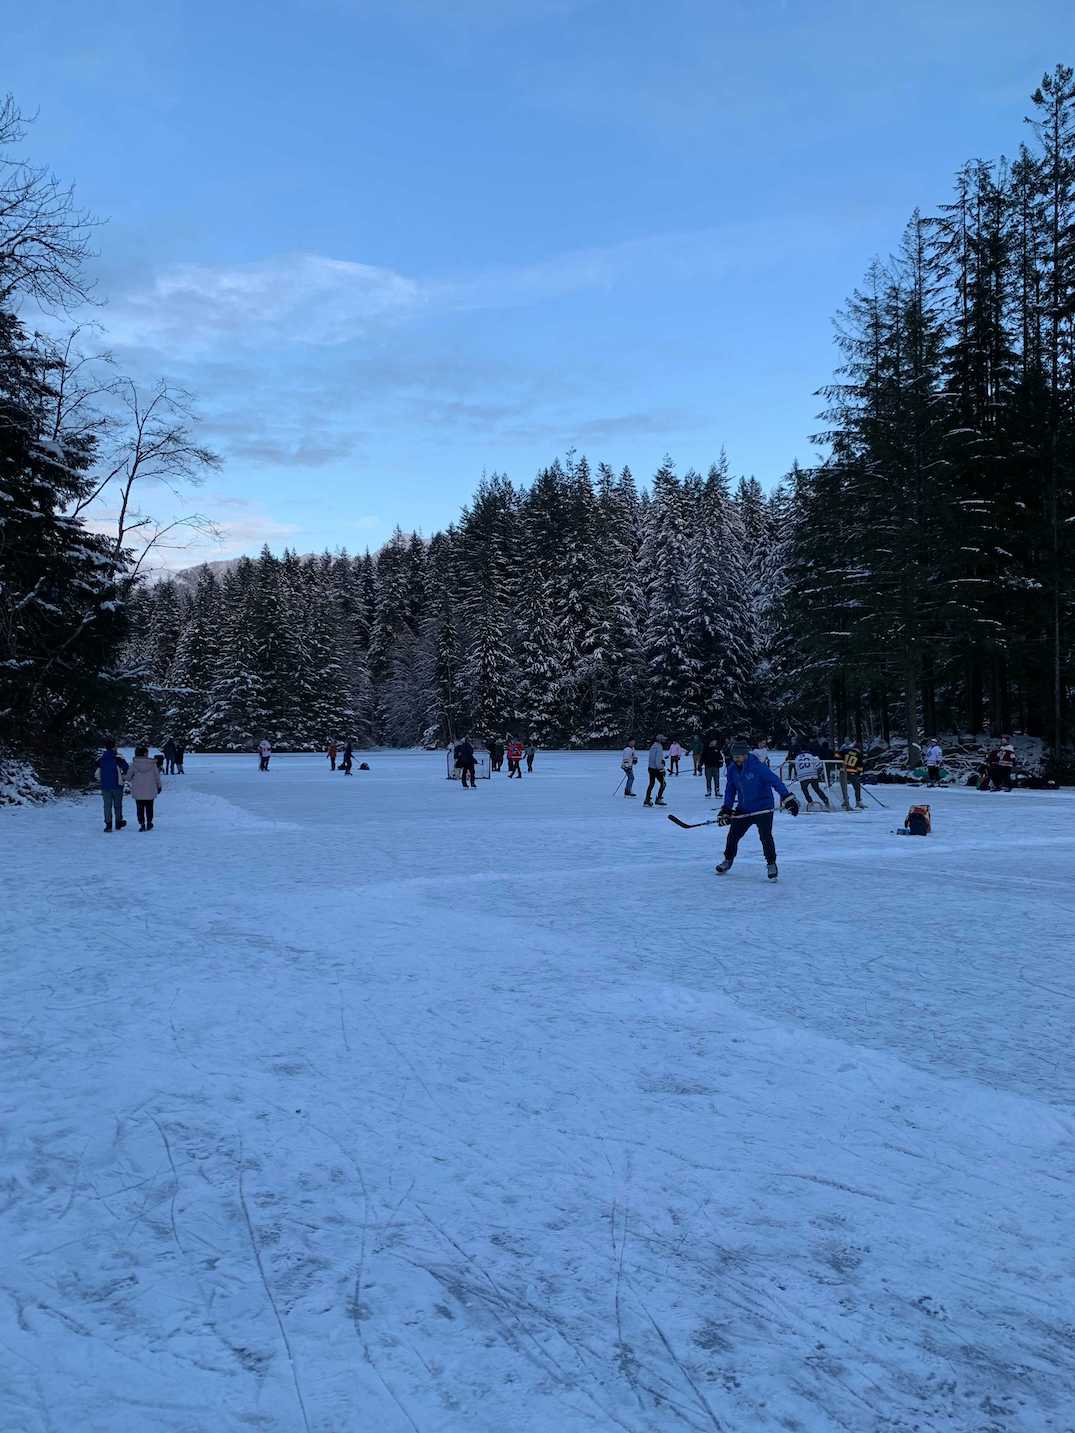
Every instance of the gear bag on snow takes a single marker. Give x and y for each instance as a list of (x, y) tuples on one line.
[(918, 822)]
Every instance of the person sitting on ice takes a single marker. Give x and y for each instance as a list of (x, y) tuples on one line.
[(749, 801)]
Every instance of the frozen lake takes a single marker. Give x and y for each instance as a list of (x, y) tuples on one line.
[(369, 1103)]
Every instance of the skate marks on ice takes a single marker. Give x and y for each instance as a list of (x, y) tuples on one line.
[(510, 1162)]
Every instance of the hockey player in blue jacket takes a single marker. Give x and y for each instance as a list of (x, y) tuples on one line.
[(749, 801)]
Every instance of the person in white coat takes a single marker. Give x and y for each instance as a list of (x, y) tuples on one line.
[(655, 761), (264, 753), (629, 760), (934, 758)]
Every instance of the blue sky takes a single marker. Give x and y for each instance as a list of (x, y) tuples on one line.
[(390, 245)]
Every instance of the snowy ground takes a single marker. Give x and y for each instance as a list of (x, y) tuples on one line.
[(345, 1104)]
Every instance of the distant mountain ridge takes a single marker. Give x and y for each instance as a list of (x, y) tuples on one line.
[(188, 576)]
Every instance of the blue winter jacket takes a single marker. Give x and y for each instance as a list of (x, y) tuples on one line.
[(111, 771), (752, 786)]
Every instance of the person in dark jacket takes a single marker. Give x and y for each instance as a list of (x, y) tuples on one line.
[(463, 756), (712, 764), (348, 758), (531, 752), (748, 801), (180, 753), (169, 757), (854, 763), (111, 770)]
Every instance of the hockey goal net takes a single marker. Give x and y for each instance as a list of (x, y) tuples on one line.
[(482, 769)]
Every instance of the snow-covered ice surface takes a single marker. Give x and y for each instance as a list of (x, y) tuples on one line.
[(344, 1104)]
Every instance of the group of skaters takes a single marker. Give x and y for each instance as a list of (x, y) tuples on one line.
[(345, 756), (140, 778), (465, 758), (750, 787), (808, 764), (709, 756)]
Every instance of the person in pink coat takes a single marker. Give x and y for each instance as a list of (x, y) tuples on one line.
[(144, 784)]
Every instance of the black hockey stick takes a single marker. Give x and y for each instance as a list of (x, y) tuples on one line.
[(739, 816)]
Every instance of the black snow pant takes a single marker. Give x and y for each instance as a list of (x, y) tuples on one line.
[(466, 773), (673, 765), (263, 763), (856, 786), (933, 775), (332, 760), (169, 766), (514, 769), (145, 813), (738, 829), (816, 784), (712, 780), (654, 777), (529, 761)]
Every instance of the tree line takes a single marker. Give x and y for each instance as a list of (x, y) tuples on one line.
[(932, 579), (575, 611)]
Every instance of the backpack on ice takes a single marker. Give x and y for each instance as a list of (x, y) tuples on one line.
[(919, 822)]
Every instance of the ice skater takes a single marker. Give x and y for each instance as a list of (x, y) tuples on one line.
[(854, 761), (934, 758), (463, 757), (675, 751), (515, 756), (348, 758), (712, 766), (749, 801), (531, 752), (808, 772), (628, 761), (264, 754), (330, 752), (657, 777)]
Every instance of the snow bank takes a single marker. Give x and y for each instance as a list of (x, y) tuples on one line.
[(19, 784)]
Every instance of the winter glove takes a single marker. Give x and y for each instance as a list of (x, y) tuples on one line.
[(725, 817), (791, 805)]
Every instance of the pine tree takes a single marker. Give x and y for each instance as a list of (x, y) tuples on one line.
[(670, 669)]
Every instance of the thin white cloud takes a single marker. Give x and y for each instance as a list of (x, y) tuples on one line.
[(203, 310), (296, 298)]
